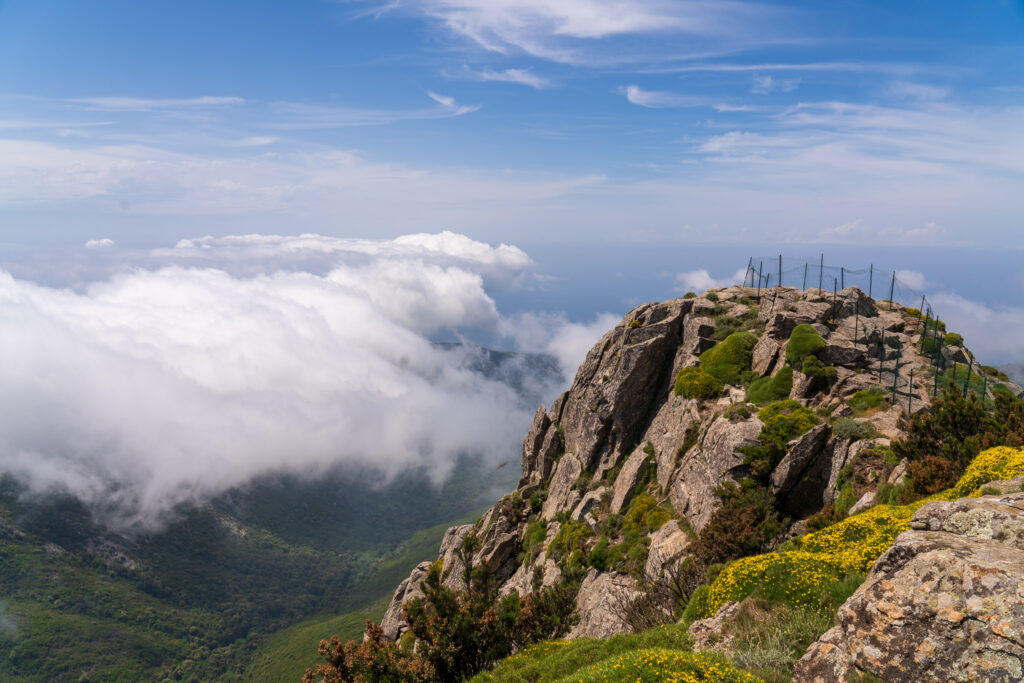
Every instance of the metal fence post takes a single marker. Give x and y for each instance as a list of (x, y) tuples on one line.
[(910, 393), (871, 279), (821, 270), (805, 276), (842, 277), (892, 289), (780, 270)]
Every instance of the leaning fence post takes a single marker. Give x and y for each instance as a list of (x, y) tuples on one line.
[(821, 270), (892, 289), (910, 393), (805, 276)]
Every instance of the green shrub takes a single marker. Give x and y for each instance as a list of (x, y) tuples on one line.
[(813, 367), (845, 500), (696, 383), (805, 341), (989, 491), (849, 428), (768, 389), (535, 534), (571, 536), (711, 296), (738, 412), (783, 422), (729, 359), (690, 295), (995, 372), (954, 339), (867, 401), (698, 605)]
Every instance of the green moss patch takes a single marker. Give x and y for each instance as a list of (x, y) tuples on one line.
[(728, 360)]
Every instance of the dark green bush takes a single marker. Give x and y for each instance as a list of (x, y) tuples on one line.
[(571, 536), (694, 382), (711, 296), (690, 295), (729, 359), (768, 389), (738, 412), (805, 341), (813, 367)]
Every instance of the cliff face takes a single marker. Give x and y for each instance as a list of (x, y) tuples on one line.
[(621, 431)]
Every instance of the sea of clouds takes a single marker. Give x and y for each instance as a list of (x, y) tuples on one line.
[(221, 359)]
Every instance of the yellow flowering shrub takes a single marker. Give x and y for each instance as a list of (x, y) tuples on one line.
[(660, 665), (995, 464), (823, 558)]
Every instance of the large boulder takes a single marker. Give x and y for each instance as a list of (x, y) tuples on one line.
[(561, 494), (945, 603), (393, 623), (632, 472), (598, 601), (668, 544)]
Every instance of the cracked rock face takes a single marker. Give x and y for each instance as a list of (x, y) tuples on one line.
[(945, 603)]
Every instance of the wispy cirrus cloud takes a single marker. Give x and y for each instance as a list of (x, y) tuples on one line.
[(294, 115), (520, 76), (558, 30), (153, 104), (656, 99)]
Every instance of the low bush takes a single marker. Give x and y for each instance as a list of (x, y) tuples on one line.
[(868, 401), (992, 371), (728, 360), (824, 564), (771, 388), (783, 422), (690, 295), (851, 428), (954, 339), (649, 666), (571, 536), (804, 341), (813, 367), (711, 296), (738, 412), (696, 383), (535, 534)]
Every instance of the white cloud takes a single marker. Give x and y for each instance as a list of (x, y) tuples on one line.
[(700, 280), (654, 99), (912, 279), (556, 335), (767, 84), (99, 244), (297, 116), (993, 333), (555, 29), (520, 76), (159, 386), (917, 91), (153, 104)]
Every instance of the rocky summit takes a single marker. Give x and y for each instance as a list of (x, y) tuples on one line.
[(681, 400)]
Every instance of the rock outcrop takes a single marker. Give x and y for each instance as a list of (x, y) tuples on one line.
[(621, 432), (944, 603)]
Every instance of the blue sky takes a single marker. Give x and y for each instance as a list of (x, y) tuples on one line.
[(527, 121)]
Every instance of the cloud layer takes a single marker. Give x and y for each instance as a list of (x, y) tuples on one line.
[(165, 385)]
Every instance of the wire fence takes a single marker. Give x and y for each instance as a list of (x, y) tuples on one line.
[(949, 365)]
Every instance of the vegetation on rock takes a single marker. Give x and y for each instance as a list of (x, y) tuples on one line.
[(694, 382), (804, 341), (728, 360), (771, 388)]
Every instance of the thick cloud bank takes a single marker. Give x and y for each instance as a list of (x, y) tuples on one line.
[(164, 385)]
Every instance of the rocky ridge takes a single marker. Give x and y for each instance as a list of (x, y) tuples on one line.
[(621, 433)]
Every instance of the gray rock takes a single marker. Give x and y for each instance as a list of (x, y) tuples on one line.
[(801, 453), (590, 501), (668, 544), (714, 461), (765, 356), (899, 473), (944, 603), (393, 623), (534, 439), (862, 504), (697, 332), (599, 595), (633, 470), (713, 632), (844, 356), (560, 491)]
